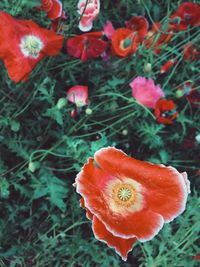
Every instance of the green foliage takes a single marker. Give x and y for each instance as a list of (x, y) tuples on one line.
[(42, 147)]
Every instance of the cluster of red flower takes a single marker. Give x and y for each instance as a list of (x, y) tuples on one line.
[(23, 43)]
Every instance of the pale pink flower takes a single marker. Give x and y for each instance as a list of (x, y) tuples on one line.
[(146, 92), (78, 95), (108, 29), (88, 12)]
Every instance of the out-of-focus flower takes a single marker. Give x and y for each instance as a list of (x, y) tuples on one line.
[(108, 29), (88, 11), (78, 95), (196, 257), (128, 199), (188, 90), (23, 44), (167, 66), (86, 46), (139, 25), (186, 15), (124, 42), (190, 52), (165, 111), (53, 8), (146, 92)]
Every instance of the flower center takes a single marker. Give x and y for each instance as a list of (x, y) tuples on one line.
[(127, 42), (124, 194), (187, 17), (31, 46)]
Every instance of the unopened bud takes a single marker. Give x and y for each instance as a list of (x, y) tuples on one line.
[(197, 138), (61, 103), (147, 67), (33, 165), (179, 93), (125, 132), (88, 111)]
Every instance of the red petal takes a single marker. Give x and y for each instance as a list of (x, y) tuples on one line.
[(122, 246), (56, 10), (165, 189), (91, 184)]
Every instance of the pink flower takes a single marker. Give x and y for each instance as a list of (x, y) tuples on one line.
[(78, 95), (108, 29), (88, 12), (145, 91)]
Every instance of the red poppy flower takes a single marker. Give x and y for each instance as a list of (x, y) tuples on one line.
[(86, 46), (128, 199), (156, 38), (167, 66), (186, 15), (78, 95), (165, 111), (23, 44), (190, 52), (140, 25), (53, 8), (124, 42)]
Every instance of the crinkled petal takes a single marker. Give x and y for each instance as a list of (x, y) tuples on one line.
[(122, 246)]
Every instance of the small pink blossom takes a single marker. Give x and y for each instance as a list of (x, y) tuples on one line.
[(108, 29), (78, 95), (88, 12), (146, 92)]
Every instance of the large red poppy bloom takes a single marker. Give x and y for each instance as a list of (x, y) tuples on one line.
[(124, 42), (23, 44), (129, 199), (140, 25), (186, 15), (165, 111), (86, 46)]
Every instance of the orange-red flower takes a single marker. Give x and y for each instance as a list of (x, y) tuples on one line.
[(86, 46), (23, 44), (128, 199), (186, 15), (165, 111), (124, 42)]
